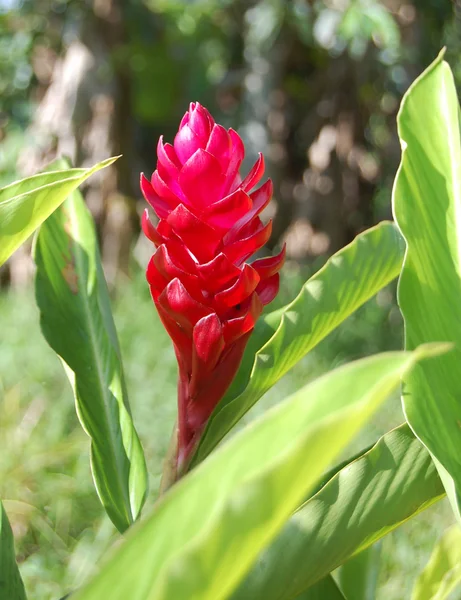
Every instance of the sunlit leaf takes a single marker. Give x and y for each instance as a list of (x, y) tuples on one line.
[(25, 204), (427, 205), (205, 533), (77, 322), (358, 505), (283, 337), (442, 574)]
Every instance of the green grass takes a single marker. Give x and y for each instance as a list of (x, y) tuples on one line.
[(60, 529)]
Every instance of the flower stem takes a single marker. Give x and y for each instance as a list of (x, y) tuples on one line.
[(169, 474)]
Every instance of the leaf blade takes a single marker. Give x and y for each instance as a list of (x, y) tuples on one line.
[(442, 574), (11, 585), (358, 576), (394, 481), (208, 529), (25, 204), (77, 322), (283, 337), (325, 589), (427, 207)]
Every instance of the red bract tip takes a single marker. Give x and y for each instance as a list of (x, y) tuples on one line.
[(208, 297)]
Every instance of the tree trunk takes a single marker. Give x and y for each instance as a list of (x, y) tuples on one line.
[(86, 115)]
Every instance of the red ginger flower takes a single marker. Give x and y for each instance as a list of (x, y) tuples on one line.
[(207, 295)]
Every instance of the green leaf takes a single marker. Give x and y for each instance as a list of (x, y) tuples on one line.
[(77, 322), (427, 206), (357, 506), (283, 337), (11, 586), (358, 577), (325, 589), (209, 528), (442, 574), (25, 204)]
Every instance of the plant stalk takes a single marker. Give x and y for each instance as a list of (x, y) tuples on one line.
[(170, 473)]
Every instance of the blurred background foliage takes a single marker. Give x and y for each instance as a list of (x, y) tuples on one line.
[(313, 84)]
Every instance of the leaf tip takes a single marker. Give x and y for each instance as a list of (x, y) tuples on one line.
[(433, 349), (106, 163)]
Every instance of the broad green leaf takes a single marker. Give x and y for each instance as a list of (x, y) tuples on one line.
[(25, 204), (358, 577), (442, 574), (427, 206), (77, 322), (11, 586), (357, 506), (207, 530), (283, 337)]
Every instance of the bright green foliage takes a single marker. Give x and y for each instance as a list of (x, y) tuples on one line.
[(442, 574), (282, 338), (25, 204), (209, 528), (361, 503), (77, 322), (427, 204), (11, 586), (358, 577)]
